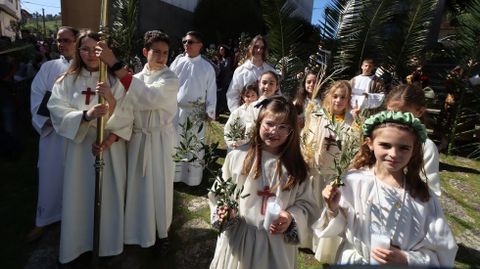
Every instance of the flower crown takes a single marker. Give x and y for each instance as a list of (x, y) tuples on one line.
[(406, 118)]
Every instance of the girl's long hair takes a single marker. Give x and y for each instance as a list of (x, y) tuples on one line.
[(252, 43), (77, 64), (290, 155), (302, 94), (327, 100), (414, 183)]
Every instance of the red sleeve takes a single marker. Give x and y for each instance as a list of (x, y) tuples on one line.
[(126, 81), (116, 137)]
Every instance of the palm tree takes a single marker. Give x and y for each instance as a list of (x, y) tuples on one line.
[(125, 36), (389, 31), (290, 39), (465, 53)]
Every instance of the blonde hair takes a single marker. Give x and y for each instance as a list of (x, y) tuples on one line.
[(341, 84)]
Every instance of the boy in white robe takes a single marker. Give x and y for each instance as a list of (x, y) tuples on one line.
[(367, 88), (149, 107)]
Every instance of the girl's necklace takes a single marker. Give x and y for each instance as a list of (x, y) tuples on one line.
[(397, 204), (268, 189)]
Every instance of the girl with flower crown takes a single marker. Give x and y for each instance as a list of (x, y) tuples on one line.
[(385, 213)]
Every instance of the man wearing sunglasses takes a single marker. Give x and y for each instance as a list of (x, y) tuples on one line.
[(197, 96), (51, 152)]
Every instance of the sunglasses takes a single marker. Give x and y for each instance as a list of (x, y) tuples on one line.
[(189, 42)]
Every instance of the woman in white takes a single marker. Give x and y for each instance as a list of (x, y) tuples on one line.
[(249, 72)]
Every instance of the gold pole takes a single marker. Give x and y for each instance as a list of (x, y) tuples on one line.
[(99, 163)]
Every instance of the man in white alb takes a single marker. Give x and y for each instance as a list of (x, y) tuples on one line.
[(51, 145), (197, 93)]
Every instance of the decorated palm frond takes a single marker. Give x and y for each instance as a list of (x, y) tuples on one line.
[(348, 142), (323, 79)]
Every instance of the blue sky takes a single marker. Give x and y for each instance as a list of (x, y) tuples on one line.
[(53, 7), (50, 6), (318, 7)]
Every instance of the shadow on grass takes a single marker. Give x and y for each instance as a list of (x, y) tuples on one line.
[(456, 168)]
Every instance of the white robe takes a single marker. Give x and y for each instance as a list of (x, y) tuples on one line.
[(245, 118), (420, 229), (362, 86), (66, 105), (244, 75), (319, 150), (197, 83), (247, 244), (151, 169), (50, 147), (431, 165)]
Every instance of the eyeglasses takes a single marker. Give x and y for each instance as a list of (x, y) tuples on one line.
[(64, 40), (189, 42), (87, 50), (282, 129)]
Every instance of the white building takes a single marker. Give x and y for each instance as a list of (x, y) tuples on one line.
[(9, 14), (304, 9)]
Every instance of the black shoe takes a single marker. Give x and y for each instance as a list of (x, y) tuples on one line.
[(164, 246)]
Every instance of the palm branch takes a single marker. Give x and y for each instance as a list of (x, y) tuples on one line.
[(467, 55), (410, 39), (284, 34), (360, 31), (389, 31), (125, 36)]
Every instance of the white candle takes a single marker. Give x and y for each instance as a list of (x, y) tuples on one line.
[(378, 240), (272, 214)]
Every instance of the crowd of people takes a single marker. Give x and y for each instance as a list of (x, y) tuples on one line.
[(281, 153)]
